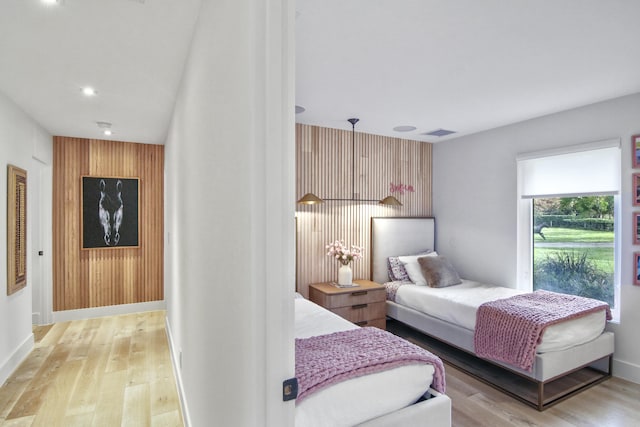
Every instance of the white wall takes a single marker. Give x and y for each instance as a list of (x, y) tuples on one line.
[(474, 199), (20, 140), (229, 215)]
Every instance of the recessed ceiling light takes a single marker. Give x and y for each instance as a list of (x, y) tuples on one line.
[(89, 91), (404, 128), (300, 109), (50, 1), (106, 128)]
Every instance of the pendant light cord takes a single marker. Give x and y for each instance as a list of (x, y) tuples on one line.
[(353, 157)]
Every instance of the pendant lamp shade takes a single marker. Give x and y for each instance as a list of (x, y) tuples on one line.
[(390, 201), (310, 199)]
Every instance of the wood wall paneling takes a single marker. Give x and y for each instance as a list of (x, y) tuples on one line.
[(101, 277), (324, 167)]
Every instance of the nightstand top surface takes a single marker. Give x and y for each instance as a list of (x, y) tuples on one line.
[(363, 285)]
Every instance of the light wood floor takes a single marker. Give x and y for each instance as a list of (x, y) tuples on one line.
[(613, 403), (110, 371), (117, 371)]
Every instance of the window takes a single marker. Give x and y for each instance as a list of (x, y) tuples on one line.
[(573, 246), (568, 220)]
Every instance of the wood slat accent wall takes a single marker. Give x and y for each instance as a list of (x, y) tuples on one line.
[(101, 277), (323, 167)]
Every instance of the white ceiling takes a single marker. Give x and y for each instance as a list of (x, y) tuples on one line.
[(131, 51), (463, 65)]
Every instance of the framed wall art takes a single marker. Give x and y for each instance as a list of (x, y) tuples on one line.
[(636, 228), (110, 212), (635, 186), (635, 150), (636, 268), (16, 229)]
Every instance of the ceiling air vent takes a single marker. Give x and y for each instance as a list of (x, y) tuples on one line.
[(440, 132)]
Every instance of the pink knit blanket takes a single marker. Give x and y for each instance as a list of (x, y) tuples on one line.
[(328, 359), (510, 329)]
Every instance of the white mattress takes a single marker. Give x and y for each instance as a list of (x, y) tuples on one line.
[(458, 304), (359, 399)]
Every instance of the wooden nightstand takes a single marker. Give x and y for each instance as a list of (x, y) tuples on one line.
[(364, 305)]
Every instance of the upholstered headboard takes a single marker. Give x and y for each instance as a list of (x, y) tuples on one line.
[(398, 236)]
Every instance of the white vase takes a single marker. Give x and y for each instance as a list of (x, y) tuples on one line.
[(345, 275)]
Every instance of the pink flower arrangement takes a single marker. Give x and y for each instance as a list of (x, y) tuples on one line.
[(339, 251)]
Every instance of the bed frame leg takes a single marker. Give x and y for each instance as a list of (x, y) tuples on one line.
[(542, 406), (540, 396)]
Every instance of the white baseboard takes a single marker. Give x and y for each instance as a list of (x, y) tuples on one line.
[(626, 370), (13, 361), (110, 310), (175, 358)]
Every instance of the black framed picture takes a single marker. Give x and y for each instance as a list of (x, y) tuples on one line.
[(110, 212)]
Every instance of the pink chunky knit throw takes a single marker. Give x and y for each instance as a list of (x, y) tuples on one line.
[(327, 359), (510, 329)]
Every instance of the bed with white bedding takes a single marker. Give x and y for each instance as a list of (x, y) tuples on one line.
[(458, 304), (449, 313), (384, 398)]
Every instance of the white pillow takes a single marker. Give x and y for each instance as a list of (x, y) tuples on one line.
[(414, 271)]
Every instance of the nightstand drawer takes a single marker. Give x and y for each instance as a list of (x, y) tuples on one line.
[(354, 297), (364, 305), (361, 312)]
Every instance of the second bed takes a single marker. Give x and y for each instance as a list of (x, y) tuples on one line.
[(449, 314)]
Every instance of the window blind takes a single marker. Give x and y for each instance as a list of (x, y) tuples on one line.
[(579, 170)]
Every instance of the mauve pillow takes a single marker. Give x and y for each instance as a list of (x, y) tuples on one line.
[(396, 270), (438, 272)]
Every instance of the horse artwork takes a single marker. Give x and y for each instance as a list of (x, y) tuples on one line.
[(109, 212), (110, 208)]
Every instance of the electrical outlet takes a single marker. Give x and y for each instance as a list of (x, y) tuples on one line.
[(290, 389)]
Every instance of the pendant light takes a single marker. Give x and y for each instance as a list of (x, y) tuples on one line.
[(312, 199), (390, 201)]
